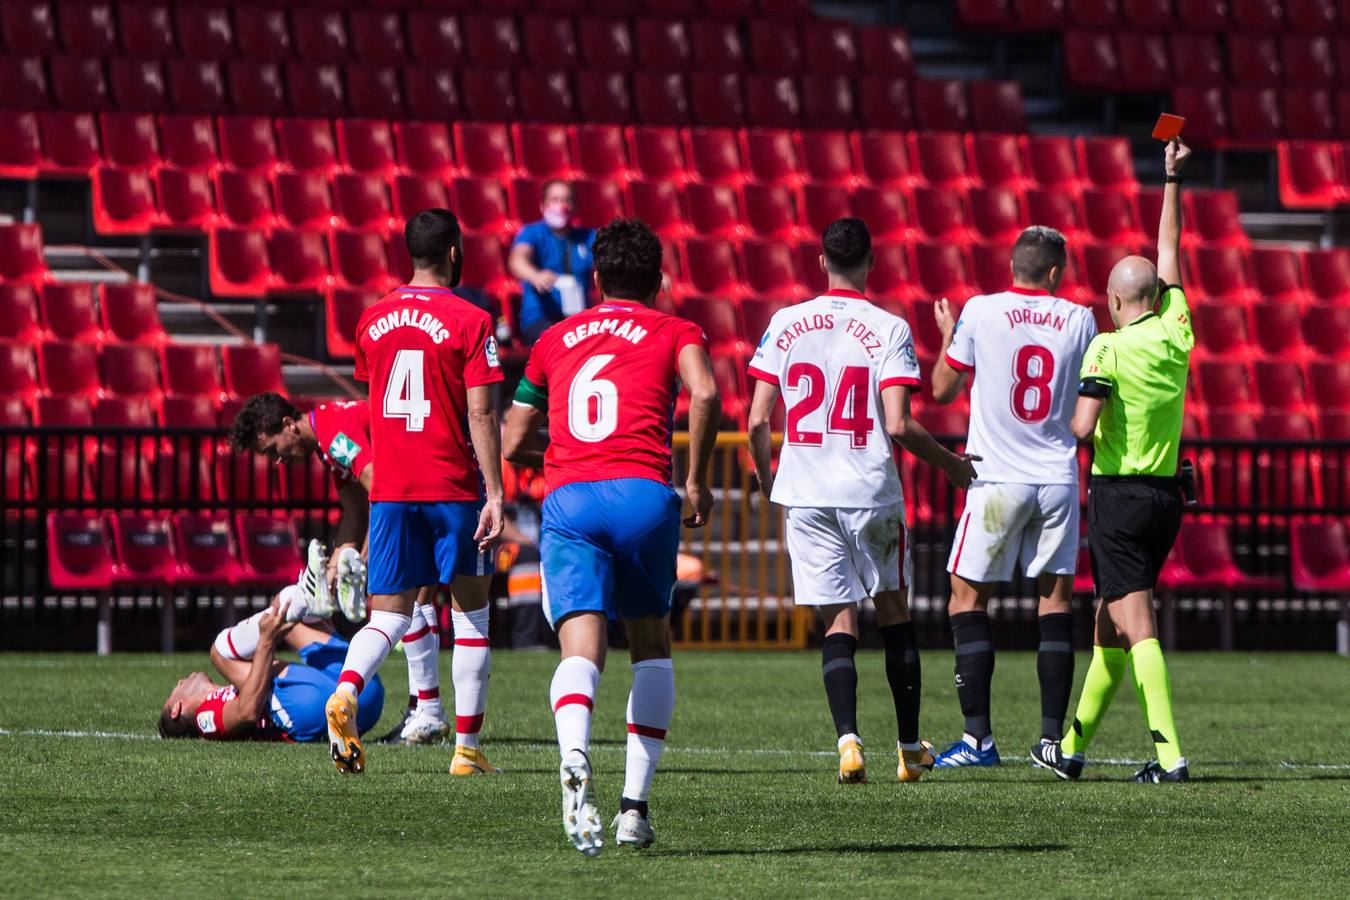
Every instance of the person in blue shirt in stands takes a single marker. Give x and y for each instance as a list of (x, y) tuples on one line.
[(552, 259)]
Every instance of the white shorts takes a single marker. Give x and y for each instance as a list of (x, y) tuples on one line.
[(1033, 526), (844, 555)]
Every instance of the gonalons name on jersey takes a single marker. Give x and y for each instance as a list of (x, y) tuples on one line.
[(411, 318)]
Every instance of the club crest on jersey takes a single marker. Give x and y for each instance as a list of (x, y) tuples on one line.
[(491, 353), (206, 722), (907, 352), (343, 450)]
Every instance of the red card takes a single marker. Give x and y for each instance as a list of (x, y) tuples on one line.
[(1168, 127)]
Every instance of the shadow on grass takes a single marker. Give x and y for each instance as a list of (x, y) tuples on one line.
[(870, 848), (552, 740)]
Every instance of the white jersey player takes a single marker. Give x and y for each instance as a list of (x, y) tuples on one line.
[(1025, 347), (845, 369)]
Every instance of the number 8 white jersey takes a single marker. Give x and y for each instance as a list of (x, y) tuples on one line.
[(831, 357), (1025, 349)]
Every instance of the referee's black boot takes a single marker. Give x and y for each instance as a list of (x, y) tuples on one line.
[(1049, 755), (1154, 773)]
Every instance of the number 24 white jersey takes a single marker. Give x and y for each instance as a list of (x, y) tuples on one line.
[(1025, 349), (831, 357)]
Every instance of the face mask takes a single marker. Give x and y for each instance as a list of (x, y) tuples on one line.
[(557, 216)]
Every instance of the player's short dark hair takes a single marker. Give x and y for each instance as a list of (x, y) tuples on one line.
[(846, 243), (1038, 250), (430, 235), (543, 191), (261, 416), (171, 726), (627, 258)]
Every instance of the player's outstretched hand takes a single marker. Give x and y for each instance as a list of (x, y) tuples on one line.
[(1175, 156), (945, 318), (962, 472), (490, 523), (272, 625), (701, 499)]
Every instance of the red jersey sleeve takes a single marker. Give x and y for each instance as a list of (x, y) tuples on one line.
[(535, 369), (687, 333), (210, 716), (481, 363), (359, 372)]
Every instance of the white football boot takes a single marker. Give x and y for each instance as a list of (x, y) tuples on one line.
[(351, 584), (580, 820), (633, 829), (312, 587), (423, 728)]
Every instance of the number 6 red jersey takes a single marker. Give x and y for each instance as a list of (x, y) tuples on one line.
[(608, 379), (831, 357), (1025, 349), (421, 349)]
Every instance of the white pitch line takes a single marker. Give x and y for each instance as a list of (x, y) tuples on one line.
[(709, 751)]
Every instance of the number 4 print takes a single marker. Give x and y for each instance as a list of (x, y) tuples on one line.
[(848, 413), (405, 394)]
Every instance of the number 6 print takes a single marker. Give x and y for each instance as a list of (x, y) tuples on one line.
[(593, 403)]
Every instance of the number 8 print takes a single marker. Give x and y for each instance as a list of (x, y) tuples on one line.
[(1031, 390)]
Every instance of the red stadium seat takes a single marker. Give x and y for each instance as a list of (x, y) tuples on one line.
[(1223, 272), (21, 154), (320, 36), (941, 158), (1203, 560), (1278, 330), (1329, 381), (1326, 330), (1279, 383), (485, 260), (138, 85), (606, 44), (942, 105), (772, 101), (1144, 65), (484, 149), (1312, 174), (543, 150), (808, 267), (431, 93), (884, 103), (658, 204), (996, 159), (1308, 62), (302, 201), (247, 143), (657, 154), (412, 194), (298, 261), (989, 266), (775, 47), (771, 156), (1227, 385), (27, 25), (185, 199), (238, 261), (714, 155), (131, 313), (26, 80), (942, 271), (718, 318), (307, 145), (189, 411), (884, 51), (1310, 16), (68, 311), (424, 149), (17, 372), (360, 261), (830, 48), (80, 557), (123, 412), (196, 86), (377, 37), (262, 33), (1320, 556), (316, 89), (891, 279), (1111, 217), (69, 368), (362, 202), (827, 101), (1308, 114), (252, 369), (1278, 275), (713, 209), (983, 15), (78, 83), (367, 145), (434, 37), (1108, 163), (1090, 61), (124, 201), (21, 258), (550, 42), (344, 308), (600, 152), (712, 267), (1216, 217), (188, 142), (1327, 274), (770, 271), (996, 106), (63, 412), (1253, 59), (70, 143), (1203, 15), (1052, 162), (1258, 15), (256, 88), (205, 550), (1221, 331), (598, 202), (204, 33), (245, 199), (546, 97), (603, 97), (771, 211), (996, 214), (480, 204), (18, 313), (130, 371), (715, 99), (1254, 115), (191, 369), (268, 550), (492, 41), (146, 30), (827, 158), (942, 216), (145, 553), (757, 312), (822, 204)]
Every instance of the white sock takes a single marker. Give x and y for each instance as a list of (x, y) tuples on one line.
[(240, 640), (912, 748), (293, 597), (572, 696), (849, 737), (370, 646), (422, 645), (650, 705), (470, 669), (975, 743)]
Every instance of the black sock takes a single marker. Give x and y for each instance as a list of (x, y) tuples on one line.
[(1054, 668), (841, 681), (904, 674), (640, 805), (974, 669)]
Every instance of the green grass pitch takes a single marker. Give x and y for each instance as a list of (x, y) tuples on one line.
[(745, 803)]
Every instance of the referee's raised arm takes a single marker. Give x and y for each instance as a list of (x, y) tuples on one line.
[(1169, 225)]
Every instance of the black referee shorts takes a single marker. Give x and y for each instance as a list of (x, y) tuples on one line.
[(1132, 523)]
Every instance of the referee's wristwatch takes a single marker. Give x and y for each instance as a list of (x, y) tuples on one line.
[(1172, 179)]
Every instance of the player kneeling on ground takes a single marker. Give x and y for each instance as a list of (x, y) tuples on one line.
[(847, 368), (606, 379), (268, 699)]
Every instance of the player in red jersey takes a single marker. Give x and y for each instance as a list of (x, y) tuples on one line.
[(606, 379), (431, 361), (339, 434)]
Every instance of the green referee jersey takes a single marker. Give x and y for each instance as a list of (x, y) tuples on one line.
[(1140, 372)]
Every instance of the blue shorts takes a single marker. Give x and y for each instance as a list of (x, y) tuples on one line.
[(415, 544), (610, 547), (301, 690)]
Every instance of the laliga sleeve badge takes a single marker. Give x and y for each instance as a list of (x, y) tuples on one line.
[(491, 352)]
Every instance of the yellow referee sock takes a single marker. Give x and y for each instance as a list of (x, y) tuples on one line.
[(1104, 676), (1155, 696)]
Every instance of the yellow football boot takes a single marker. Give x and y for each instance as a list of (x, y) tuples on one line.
[(913, 763), (471, 761), (852, 767), (348, 755)]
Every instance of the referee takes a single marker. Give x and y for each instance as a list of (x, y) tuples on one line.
[(1130, 399)]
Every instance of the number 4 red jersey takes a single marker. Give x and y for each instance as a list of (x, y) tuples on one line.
[(421, 349), (607, 377)]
